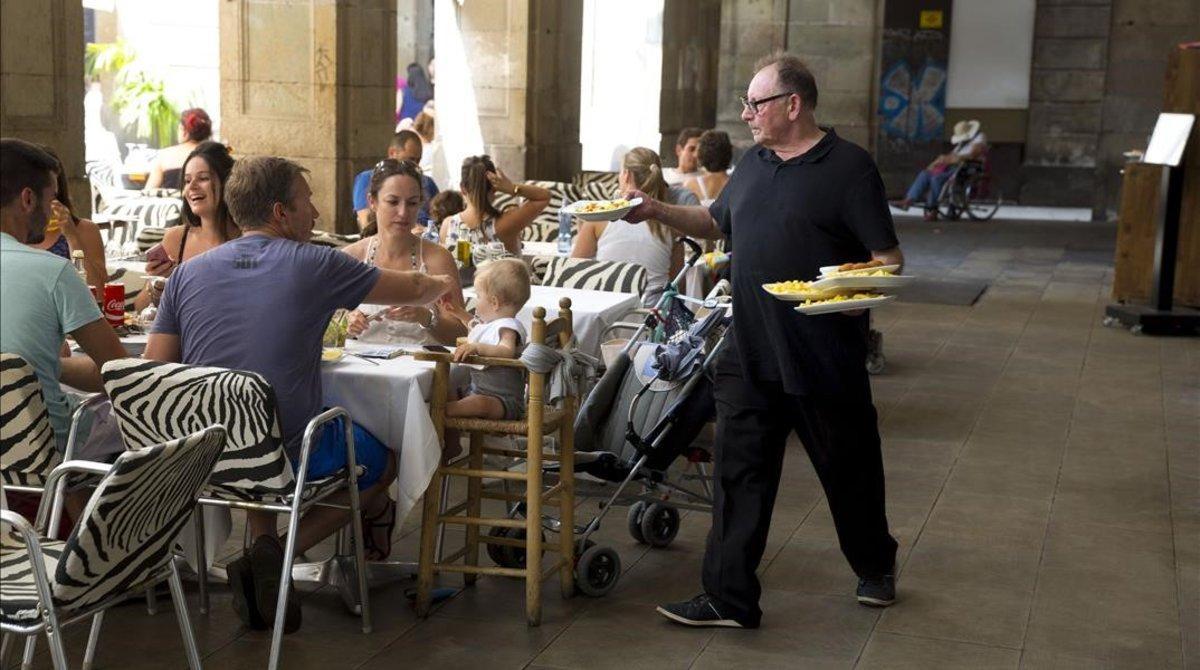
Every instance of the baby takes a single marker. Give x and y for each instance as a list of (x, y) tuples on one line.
[(501, 290)]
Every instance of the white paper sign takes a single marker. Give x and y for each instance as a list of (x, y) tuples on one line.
[(1169, 138)]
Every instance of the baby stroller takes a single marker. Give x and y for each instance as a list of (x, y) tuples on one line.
[(644, 415)]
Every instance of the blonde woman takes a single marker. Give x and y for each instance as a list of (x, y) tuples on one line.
[(651, 245)]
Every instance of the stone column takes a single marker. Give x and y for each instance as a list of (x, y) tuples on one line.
[(552, 98), (481, 92), (690, 57), (41, 82), (750, 29), (313, 81), (1066, 100)]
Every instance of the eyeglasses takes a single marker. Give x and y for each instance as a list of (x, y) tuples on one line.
[(752, 106)]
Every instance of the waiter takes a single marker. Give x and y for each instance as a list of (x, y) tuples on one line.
[(800, 198)]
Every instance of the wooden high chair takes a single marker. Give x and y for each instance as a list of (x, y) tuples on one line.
[(540, 419)]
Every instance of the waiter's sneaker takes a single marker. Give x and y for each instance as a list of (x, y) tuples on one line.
[(702, 612), (877, 591)]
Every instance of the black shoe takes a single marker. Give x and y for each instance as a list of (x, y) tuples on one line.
[(241, 583), (266, 565), (701, 611), (877, 591)]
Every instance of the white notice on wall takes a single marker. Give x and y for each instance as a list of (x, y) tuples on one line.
[(1169, 138)]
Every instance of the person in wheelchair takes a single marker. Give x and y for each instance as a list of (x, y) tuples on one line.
[(970, 144)]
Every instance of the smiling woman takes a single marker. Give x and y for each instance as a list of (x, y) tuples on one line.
[(207, 222)]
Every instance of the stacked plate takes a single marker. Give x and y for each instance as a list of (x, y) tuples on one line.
[(841, 290)]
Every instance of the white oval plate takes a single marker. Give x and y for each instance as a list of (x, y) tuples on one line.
[(842, 283), (844, 306), (798, 297), (832, 270), (606, 215)]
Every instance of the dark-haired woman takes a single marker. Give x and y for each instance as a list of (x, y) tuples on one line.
[(207, 223), (394, 197), (68, 233), (195, 126), (481, 222)]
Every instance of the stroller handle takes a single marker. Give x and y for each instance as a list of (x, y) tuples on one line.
[(694, 247)]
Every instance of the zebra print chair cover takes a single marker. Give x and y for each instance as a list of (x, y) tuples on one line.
[(333, 240), (586, 273), (148, 211), (129, 526), (27, 449), (559, 193), (596, 185), (156, 401)]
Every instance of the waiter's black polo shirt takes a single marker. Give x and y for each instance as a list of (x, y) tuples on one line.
[(787, 219)]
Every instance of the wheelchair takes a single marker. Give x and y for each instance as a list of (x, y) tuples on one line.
[(970, 191)]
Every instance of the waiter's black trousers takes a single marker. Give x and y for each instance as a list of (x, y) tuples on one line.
[(842, 440)]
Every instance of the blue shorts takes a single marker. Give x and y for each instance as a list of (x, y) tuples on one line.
[(328, 455)]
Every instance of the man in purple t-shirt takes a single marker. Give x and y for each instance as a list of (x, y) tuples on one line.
[(260, 303)]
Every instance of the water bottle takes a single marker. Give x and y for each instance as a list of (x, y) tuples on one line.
[(564, 229)]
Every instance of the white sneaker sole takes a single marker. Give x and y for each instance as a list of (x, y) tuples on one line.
[(874, 602), (714, 623)]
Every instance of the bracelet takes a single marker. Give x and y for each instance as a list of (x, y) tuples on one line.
[(517, 190), (432, 319)]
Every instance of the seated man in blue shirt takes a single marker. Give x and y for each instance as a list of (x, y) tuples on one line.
[(260, 303), (405, 145)]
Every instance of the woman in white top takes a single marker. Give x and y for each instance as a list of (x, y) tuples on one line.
[(715, 154), (394, 198), (481, 222), (651, 245)]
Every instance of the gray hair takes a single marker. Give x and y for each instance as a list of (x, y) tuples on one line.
[(795, 76), (256, 184)]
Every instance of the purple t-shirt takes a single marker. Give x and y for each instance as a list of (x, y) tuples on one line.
[(261, 304)]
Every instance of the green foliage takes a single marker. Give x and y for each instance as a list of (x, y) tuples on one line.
[(139, 96)]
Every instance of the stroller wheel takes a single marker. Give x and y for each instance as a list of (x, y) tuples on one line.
[(660, 524), (637, 511), (597, 571)]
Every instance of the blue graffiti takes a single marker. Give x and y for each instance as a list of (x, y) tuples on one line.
[(914, 108)]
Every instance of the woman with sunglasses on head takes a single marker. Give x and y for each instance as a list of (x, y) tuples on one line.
[(481, 223), (207, 223), (394, 197), (68, 233)]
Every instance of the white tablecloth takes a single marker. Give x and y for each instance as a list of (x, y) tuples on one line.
[(593, 311), (391, 401)]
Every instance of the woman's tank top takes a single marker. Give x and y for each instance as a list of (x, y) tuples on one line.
[(623, 241), (387, 331)]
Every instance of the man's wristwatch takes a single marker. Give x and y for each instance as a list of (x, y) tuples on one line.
[(432, 319)]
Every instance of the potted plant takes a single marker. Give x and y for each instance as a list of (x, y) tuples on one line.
[(139, 96)]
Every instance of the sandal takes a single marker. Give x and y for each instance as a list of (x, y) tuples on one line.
[(385, 519)]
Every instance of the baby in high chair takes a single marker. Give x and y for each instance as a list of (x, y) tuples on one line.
[(501, 290)]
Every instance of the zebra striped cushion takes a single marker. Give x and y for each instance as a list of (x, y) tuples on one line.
[(334, 240), (18, 590), (585, 273), (125, 538), (133, 519), (540, 232), (155, 402), (148, 237), (149, 212), (27, 449), (596, 185), (538, 266)]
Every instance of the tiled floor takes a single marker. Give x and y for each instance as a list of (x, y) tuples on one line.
[(1043, 482)]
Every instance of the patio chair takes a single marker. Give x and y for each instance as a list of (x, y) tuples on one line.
[(28, 451), (540, 420), (122, 544), (154, 401)]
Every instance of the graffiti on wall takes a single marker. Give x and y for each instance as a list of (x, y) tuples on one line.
[(912, 105)]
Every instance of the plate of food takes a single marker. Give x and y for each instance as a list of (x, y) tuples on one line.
[(332, 354), (797, 291), (601, 210), (850, 282), (843, 303), (875, 268)]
